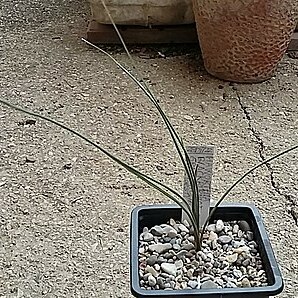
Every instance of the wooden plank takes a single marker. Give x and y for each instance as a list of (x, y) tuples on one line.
[(105, 34)]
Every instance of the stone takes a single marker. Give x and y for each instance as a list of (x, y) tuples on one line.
[(169, 268), (209, 284), (231, 284), (232, 258), (219, 226), (223, 239), (246, 262), (245, 283), (250, 235), (179, 264), (244, 226), (173, 284), (211, 227), (147, 237), (156, 231), (241, 249), (166, 239), (214, 244), (161, 259), (188, 246), (181, 254), (195, 264), (169, 231), (190, 273), (160, 247), (253, 244), (168, 255), (151, 281), (172, 222), (213, 236), (192, 284), (151, 270), (151, 260), (176, 246), (161, 282), (142, 250), (237, 273), (235, 229), (183, 228), (191, 239)]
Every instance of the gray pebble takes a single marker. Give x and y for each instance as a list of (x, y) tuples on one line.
[(179, 264), (214, 244), (169, 268), (245, 283), (183, 228), (176, 246), (235, 229), (237, 273), (168, 255), (188, 246), (160, 247), (147, 237), (192, 284), (151, 260), (246, 262), (250, 235), (209, 285), (211, 227), (173, 233), (161, 282), (152, 271), (213, 236), (230, 284), (219, 226), (223, 239), (151, 281), (142, 250), (244, 226), (181, 254), (156, 231)]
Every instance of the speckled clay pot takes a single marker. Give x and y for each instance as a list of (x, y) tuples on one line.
[(243, 40)]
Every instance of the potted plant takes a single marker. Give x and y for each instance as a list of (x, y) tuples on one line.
[(244, 41), (233, 234), (237, 224)]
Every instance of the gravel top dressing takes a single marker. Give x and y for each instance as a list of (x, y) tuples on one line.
[(229, 257)]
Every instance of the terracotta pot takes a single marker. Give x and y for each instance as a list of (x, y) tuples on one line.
[(244, 40)]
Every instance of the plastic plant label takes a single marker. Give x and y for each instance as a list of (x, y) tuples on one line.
[(201, 157)]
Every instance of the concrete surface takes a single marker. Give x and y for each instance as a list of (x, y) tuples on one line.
[(64, 208)]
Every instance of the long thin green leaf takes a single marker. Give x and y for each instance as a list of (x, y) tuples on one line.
[(242, 178), (177, 141), (147, 179), (186, 164)]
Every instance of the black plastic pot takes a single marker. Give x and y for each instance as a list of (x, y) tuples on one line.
[(154, 215)]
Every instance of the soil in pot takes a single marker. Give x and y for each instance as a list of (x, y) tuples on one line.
[(229, 257)]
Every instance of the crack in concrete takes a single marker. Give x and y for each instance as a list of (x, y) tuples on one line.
[(289, 198)]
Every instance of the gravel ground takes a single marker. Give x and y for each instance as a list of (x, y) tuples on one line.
[(64, 208)]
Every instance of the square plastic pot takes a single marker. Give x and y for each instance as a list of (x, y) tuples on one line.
[(158, 214)]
